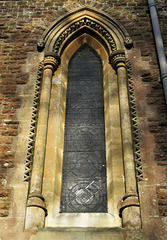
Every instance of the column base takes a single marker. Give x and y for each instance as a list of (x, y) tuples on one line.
[(130, 212), (35, 213)]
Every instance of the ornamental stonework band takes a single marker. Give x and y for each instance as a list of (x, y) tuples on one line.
[(51, 61), (117, 59)]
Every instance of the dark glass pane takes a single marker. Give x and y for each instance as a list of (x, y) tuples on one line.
[(84, 165)]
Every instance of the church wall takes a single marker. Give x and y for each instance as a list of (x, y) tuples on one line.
[(22, 23)]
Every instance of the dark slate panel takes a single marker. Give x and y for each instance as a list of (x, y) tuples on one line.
[(84, 187)]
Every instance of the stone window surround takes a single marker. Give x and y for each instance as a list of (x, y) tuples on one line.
[(47, 183)]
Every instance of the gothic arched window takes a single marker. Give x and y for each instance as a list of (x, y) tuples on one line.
[(90, 143), (84, 163)]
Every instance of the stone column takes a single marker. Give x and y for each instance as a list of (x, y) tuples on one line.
[(36, 209), (129, 211)]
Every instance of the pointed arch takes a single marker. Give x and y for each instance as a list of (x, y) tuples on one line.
[(84, 160), (61, 40), (80, 21), (113, 134)]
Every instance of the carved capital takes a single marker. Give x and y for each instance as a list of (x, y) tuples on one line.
[(117, 59), (51, 61), (129, 200), (37, 200)]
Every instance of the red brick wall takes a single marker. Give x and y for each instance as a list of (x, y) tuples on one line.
[(21, 25)]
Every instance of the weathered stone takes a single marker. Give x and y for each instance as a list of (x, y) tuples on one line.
[(22, 23)]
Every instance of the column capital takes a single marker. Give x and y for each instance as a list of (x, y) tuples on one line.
[(117, 59), (51, 61)]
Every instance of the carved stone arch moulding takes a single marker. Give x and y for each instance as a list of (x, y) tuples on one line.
[(45, 149), (108, 30)]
